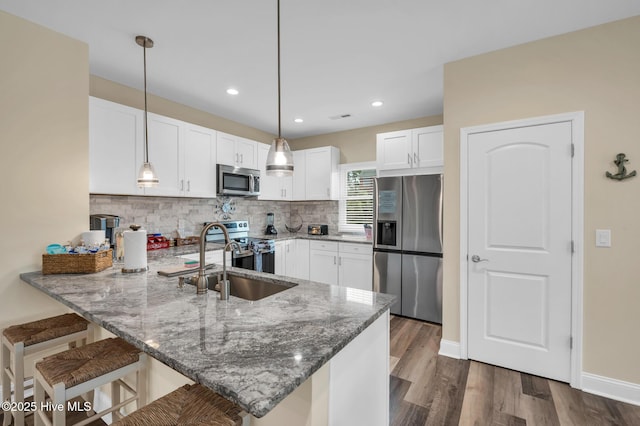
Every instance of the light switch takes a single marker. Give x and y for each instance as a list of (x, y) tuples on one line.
[(603, 237)]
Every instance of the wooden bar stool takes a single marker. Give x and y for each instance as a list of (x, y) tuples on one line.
[(69, 374), (188, 405), (27, 339)]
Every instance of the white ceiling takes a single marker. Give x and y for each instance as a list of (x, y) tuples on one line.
[(337, 55)]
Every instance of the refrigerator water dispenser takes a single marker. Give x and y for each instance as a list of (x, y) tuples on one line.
[(386, 233)]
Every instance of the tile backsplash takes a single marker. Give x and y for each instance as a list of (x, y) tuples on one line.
[(165, 215)]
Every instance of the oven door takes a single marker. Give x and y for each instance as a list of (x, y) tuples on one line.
[(243, 260)]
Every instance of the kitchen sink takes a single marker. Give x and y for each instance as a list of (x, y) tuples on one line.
[(249, 288)]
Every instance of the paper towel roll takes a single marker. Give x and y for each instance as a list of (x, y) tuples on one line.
[(135, 251), (93, 238)]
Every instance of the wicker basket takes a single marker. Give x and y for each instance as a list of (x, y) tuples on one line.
[(77, 263)]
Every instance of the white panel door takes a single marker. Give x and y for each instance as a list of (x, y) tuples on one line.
[(519, 267)]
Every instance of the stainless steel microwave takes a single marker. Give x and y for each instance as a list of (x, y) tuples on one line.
[(237, 181)]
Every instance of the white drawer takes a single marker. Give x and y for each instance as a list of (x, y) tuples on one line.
[(356, 248), (324, 245)]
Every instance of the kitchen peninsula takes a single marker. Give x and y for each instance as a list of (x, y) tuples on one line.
[(253, 353)]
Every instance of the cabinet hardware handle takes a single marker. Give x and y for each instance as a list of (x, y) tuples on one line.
[(415, 158), (181, 184), (189, 186), (334, 260), (409, 159), (237, 158), (241, 158)]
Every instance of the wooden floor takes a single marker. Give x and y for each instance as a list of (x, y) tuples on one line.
[(427, 389)]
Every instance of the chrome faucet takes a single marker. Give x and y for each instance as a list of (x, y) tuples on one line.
[(201, 280)]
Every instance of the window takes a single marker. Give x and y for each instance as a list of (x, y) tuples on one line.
[(356, 196)]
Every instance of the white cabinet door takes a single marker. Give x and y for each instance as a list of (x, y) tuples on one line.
[(356, 271), (226, 148), (281, 261), (321, 173), (323, 261), (394, 151), (165, 145), (299, 181), (199, 178), (272, 187), (428, 147), (247, 153), (236, 151), (300, 250), (323, 266), (116, 141)]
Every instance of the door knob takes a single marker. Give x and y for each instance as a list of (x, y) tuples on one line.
[(475, 259)]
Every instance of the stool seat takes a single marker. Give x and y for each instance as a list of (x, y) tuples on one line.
[(81, 364), (188, 405), (46, 329)]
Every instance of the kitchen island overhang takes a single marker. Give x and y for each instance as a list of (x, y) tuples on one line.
[(252, 353)]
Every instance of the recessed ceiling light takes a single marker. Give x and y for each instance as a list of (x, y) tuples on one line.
[(298, 120), (376, 103), (232, 91)]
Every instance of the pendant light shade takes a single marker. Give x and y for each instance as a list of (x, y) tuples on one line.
[(279, 158), (147, 176)]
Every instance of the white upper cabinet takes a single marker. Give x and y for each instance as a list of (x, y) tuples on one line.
[(199, 177), (272, 187), (116, 143), (321, 173), (413, 151), (299, 181), (183, 154), (166, 137), (237, 151)]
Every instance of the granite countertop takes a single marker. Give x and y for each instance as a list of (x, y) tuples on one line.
[(345, 238), (252, 353)]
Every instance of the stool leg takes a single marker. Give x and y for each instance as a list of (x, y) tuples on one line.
[(18, 385), (59, 400), (38, 398), (141, 382), (89, 395), (6, 382), (115, 399)]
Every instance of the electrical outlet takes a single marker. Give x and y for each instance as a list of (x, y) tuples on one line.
[(603, 238)]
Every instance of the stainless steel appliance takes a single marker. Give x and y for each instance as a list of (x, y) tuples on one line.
[(237, 181), (106, 222), (271, 229), (257, 254), (318, 230), (407, 244)]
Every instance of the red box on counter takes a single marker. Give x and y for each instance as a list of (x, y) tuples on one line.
[(155, 242)]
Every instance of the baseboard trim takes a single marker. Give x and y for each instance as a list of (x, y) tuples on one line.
[(449, 349), (611, 388)]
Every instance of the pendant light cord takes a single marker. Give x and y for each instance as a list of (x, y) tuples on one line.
[(279, 108), (146, 131)]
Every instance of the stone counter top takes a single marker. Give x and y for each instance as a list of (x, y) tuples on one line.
[(252, 353), (345, 238)]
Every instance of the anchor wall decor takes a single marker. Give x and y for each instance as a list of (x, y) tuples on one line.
[(622, 170)]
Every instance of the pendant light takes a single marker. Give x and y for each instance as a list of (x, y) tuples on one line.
[(279, 158), (147, 176)]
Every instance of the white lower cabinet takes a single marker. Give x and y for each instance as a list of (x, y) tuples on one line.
[(292, 258), (344, 264)]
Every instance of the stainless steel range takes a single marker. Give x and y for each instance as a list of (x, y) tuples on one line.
[(257, 254)]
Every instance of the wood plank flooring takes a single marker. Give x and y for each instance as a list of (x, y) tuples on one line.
[(427, 389)]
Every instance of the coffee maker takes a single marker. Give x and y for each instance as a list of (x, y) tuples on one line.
[(106, 222), (271, 230)]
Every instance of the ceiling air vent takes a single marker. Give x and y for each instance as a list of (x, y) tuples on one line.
[(339, 117)]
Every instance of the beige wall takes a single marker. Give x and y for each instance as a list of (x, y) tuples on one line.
[(111, 91), (44, 164), (596, 70), (360, 144)]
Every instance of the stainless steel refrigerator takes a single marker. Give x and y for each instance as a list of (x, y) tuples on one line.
[(407, 244)]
